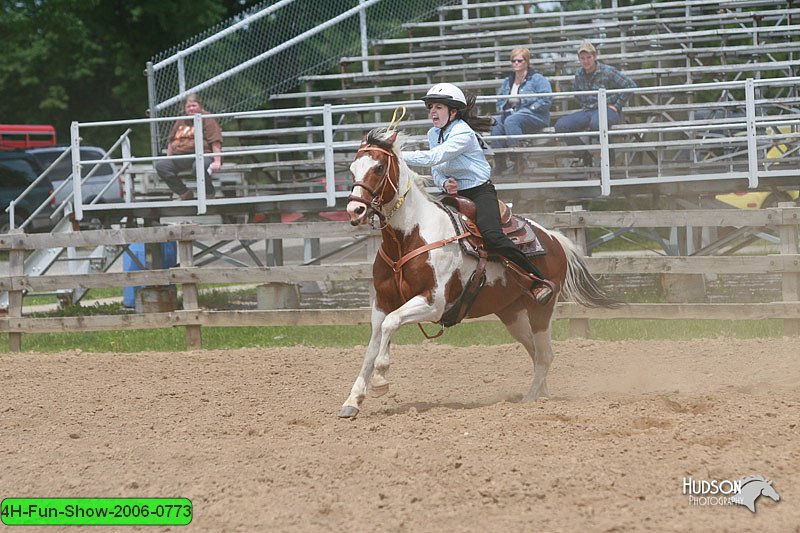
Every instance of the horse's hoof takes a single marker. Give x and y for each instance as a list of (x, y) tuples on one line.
[(529, 398), (379, 390), (348, 411)]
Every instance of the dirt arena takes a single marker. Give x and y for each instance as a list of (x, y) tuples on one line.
[(251, 436)]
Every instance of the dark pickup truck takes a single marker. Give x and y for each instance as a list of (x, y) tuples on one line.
[(17, 171)]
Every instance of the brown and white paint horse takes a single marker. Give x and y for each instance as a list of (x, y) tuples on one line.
[(421, 289)]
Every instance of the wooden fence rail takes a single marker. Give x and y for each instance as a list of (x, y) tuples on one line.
[(785, 220)]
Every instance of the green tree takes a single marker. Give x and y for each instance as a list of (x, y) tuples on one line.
[(66, 60)]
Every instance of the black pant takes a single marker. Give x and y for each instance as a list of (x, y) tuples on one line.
[(168, 170), (487, 218)]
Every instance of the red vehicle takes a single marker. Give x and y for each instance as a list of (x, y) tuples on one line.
[(22, 136)]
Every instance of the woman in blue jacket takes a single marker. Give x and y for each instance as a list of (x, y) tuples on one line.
[(519, 114)]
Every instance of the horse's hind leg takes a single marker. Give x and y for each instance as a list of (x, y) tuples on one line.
[(529, 324), (541, 322)]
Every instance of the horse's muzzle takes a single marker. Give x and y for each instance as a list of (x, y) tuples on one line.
[(357, 212)]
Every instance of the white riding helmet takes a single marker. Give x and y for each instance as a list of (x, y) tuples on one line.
[(447, 94)]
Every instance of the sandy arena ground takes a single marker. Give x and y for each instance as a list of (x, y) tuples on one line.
[(251, 436)]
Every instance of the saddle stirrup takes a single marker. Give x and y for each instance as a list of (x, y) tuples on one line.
[(543, 291)]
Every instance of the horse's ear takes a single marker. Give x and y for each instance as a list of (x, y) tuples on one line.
[(392, 138)]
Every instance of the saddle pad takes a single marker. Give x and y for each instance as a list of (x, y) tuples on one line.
[(522, 235)]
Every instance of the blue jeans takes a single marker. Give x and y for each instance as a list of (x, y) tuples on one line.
[(583, 120), (515, 124), (169, 169)]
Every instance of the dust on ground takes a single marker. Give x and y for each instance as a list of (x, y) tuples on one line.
[(251, 436)]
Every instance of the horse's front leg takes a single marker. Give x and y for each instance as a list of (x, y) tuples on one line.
[(358, 391), (379, 384), (416, 310)]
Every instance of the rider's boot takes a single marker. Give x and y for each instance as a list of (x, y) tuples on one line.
[(543, 291), (540, 289)]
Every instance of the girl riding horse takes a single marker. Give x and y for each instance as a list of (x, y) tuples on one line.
[(420, 270), (459, 166)]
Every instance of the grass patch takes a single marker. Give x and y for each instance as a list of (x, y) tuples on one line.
[(210, 299), (96, 308), (111, 292), (638, 330), (469, 334)]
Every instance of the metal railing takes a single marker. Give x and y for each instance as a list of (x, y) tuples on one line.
[(682, 151)]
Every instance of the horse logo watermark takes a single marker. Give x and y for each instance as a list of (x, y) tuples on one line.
[(743, 491), (751, 488)]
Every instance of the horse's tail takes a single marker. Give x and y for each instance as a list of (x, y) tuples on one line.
[(579, 284)]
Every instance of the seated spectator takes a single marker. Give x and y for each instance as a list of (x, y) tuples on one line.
[(181, 141), (593, 75), (517, 114)]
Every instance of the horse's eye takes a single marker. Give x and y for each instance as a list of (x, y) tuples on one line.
[(379, 170)]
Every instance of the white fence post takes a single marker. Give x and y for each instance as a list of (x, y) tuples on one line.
[(16, 267), (605, 167), (362, 23), (330, 176), (127, 183), (752, 145), (152, 112), (194, 337), (790, 281), (199, 162), (77, 192), (578, 327)]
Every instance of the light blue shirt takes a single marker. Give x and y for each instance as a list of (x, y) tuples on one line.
[(459, 156)]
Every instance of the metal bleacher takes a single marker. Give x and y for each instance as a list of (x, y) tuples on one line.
[(686, 120), (690, 126)]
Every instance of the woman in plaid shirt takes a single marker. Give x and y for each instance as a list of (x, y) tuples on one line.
[(590, 77)]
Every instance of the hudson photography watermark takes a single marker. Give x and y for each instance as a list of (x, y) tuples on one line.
[(744, 491)]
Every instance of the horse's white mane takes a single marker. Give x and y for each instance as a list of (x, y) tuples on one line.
[(380, 137)]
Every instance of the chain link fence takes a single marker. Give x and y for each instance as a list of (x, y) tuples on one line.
[(266, 49)]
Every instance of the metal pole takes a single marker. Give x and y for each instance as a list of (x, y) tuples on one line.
[(362, 22), (752, 146), (181, 75), (199, 164), (605, 168), (77, 193), (127, 183), (330, 178), (151, 110)]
